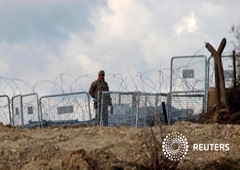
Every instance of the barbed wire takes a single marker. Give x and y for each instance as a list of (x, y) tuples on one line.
[(150, 81)]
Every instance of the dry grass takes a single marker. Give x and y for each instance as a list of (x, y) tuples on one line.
[(152, 155)]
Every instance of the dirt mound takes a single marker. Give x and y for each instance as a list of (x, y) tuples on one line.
[(112, 148), (81, 159)]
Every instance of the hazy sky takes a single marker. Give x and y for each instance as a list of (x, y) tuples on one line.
[(41, 39)]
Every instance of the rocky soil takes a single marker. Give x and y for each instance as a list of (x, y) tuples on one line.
[(79, 147)]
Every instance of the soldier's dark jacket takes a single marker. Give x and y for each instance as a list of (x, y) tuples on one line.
[(99, 85)]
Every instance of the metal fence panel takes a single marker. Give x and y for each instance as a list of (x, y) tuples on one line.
[(131, 108), (63, 109), (5, 111), (227, 62), (17, 117), (188, 87), (123, 110), (150, 108), (30, 108), (186, 106), (188, 73)]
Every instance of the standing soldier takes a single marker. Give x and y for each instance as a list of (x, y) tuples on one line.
[(95, 91)]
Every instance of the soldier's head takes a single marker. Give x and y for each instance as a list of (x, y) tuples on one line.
[(101, 74)]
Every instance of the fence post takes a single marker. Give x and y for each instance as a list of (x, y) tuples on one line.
[(21, 110), (9, 110), (89, 109), (41, 115), (98, 109), (168, 108), (119, 104), (13, 111), (101, 112), (164, 112), (169, 98), (38, 108), (137, 105), (134, 109), (157, 114), (234, 70), (145, 112), (206, 85)]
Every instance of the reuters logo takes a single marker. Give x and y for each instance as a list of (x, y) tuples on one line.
[(175, 146)]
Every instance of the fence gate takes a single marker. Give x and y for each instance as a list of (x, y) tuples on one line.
[(65, 109), (5, 110), (137, 109), (188, 87)]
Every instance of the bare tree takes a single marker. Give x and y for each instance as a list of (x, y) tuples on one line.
[(235, 31)]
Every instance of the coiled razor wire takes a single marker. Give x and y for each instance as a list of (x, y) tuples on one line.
[(149, 81)]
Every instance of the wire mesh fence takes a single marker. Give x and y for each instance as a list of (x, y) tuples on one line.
[(65, 109), (123, 109), (150, 108), (136, 109), (17, 117), (30, 109), (188, 73), (186, 106), (227, 63), (188, 87), (5, 110)]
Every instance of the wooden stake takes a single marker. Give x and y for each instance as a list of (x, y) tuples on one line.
[(219, 69), (234, 71)]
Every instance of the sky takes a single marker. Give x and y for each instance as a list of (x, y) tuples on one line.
[(41, 39)]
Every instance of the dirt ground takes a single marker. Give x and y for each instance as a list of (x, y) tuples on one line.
[(79, 147)]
